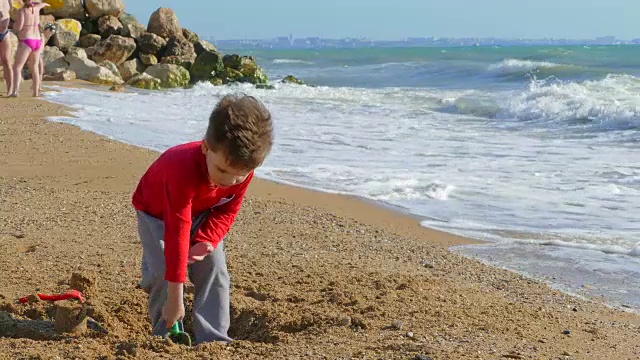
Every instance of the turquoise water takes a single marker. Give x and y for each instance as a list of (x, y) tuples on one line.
[(534, 149)]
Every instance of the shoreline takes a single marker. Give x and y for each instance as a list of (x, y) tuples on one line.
[(314, 275)]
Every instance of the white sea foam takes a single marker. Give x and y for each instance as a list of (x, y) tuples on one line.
[(509, 66), (291, 61)]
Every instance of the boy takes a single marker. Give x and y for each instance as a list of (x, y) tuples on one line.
[(186, 202)]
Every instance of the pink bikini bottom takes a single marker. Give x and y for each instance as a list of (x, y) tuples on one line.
[(33, 44)]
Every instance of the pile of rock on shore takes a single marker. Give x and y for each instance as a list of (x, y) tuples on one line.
[(97, 41)]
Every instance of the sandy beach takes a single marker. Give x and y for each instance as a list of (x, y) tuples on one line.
[(314, 275)]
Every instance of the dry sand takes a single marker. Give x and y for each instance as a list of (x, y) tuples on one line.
[(314, 276)]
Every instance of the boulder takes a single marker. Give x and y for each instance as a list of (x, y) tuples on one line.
[(171, 76), (229, 75), (144, 81), (86, 69), (117, 88), (53, 60), (62, 75), (73, 9), (109, 25), (206, 66), (190, 36), (89, 40), (164, 23), (148, 59), (247, 66), (180, 47), (216, 81), (112, 67), (130, 68), (151, 43), (68, 33), (131, 27), (201, 46), (99, 8), (290, 79), (115, 48), (175, 60), (252, 72)]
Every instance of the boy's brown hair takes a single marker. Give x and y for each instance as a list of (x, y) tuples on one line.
[(241, 126)]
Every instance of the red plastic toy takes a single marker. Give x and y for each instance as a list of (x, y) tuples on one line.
[(69, 294)]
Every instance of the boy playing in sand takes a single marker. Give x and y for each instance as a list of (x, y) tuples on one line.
[(186, 202)]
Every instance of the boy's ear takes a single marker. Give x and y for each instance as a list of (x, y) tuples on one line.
[(204, 147)]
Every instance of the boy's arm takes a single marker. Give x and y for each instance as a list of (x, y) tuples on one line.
[(222, 217), (177, 225)]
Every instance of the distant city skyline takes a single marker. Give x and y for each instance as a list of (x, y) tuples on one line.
[(568, 19)]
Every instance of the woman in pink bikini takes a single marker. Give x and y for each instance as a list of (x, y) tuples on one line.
[(30, 45)]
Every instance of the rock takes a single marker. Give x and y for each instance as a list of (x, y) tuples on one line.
[(218, 82), (229, 75), (86, 69), (358, 323), (206, 66), (89, 40), (566, 353), (68, 34), (99, 8), (115, 48), (201, 46), (397, 325), (566, 332), (164, 23), (177, 61), (190, 36), (180, 47), (111, 66), (345, 321), (512, 356), (109, 25), (252, 72), (410, 335), (53, 60), (171, 76), (151, 43), (73, 9), (265, 87), (421, 357), (63, 75), (290, 79), (131, 27), (144, 81), (247, 66), (426, 264), (148, 59), (130, 68), (117, 88)]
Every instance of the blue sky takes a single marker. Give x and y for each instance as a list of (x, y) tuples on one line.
[(397, 19)]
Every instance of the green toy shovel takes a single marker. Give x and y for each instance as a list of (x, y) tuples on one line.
[(178, 335)]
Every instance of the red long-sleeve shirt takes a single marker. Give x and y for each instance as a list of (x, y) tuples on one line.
[(176, 188)]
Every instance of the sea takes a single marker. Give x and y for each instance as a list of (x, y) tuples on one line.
[(535, 150)]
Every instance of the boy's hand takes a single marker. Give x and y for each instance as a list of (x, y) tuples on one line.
[(199, 251), (173, 309)]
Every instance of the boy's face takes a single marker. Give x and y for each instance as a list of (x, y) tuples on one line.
[(220, 173)]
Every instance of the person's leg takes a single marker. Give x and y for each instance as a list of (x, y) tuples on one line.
[(5, 61), (211, 307), (22, 54), (41, 64), (151, 231), (34, 68)]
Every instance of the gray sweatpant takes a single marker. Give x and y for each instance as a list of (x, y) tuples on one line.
[(210, 277)]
